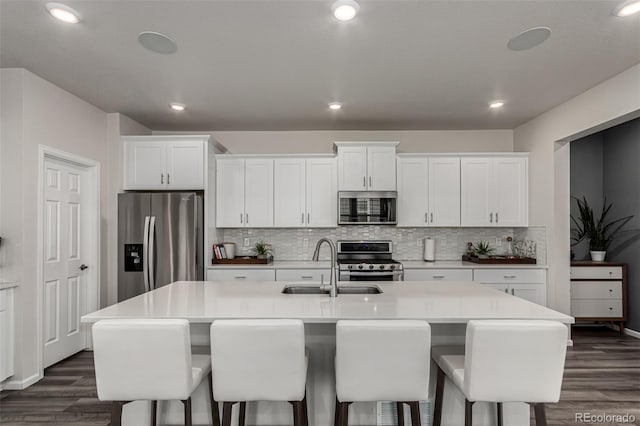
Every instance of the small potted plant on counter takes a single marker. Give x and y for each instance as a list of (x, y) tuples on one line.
[(597, 230), (482, 249), (262, 250)]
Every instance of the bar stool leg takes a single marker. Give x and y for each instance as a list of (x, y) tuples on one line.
[(187, 412), (415, 413), (226, 413), (437, 412), (154, 413), (344, 413), (305, 413), (215, 411), (468, 413), (295, 406), (541, 415), (500, 418), (116, 413), (336, 413), (400, 410), (242, 414)]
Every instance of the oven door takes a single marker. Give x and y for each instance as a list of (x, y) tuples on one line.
[(371, 276)]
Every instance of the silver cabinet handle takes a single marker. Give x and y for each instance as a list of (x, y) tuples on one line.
[(426, 220), (241, 218), (509, 276), (308, 218), (370, 182), (246, 218), (437, 277), (306, 277), (168, 178), (506, 290), (496, 217), (490, 217), (431, 217), (512, 293), (162, 178), (302, 218), (240, 277), (364, 181)]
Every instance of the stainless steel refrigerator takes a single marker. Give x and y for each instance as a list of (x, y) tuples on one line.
[(160, 240)]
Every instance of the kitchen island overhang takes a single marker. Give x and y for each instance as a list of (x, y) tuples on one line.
[(446, 306)]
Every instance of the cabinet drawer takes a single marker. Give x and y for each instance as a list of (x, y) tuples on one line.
[(509, 275), (594, 308), (302, 274), (596, 272), (438, 275), (4, 299), (241, 275), (596, 290)]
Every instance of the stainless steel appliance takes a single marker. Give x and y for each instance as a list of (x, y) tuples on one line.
[(367, 261), (367, 207), (160, 240)]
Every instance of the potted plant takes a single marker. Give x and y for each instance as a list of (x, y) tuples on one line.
[(262, 250), (597, 230), (482, 249)]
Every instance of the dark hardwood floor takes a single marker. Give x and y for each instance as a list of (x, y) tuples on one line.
[(602, 375)]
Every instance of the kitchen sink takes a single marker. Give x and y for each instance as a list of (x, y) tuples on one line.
[(307, 289)]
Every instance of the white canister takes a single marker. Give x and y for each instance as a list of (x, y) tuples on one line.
[(230, 248), (429, 249)]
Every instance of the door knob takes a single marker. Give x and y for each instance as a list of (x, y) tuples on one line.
[(83, 267)]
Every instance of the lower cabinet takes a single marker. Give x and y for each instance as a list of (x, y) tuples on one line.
[(241, 274), (438, 274), (529, 284), (313, 275), (6, 334)]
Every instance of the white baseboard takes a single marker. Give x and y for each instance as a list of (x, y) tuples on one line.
[(21, 384), (632, 333)]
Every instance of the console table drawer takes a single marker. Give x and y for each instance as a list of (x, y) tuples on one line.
[(596, 290), (594, 308), (596, 272)]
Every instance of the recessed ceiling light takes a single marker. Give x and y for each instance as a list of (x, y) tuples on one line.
[(335, 106), (529, 38), (177, 106), (345, 10), (627, 8), (63, 13), (496, 104), (157, 42)]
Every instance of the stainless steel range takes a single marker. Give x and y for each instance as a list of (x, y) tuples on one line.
[(367, 261)]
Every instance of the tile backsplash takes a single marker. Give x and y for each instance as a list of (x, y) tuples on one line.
[(299, 243)]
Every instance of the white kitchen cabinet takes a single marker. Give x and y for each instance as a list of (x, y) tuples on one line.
[(429, 274), (6, 333), (494, 191), (529, 283), (244, 193), (366, 166), (305, 192), (428, 191), (164, 163), (241, 274)]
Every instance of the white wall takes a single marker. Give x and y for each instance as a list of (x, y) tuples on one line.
[(321, 141), (607, 104)]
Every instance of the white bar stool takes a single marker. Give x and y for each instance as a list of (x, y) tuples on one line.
[(148, 359), (259, 360), (505, 361), (382, 360)]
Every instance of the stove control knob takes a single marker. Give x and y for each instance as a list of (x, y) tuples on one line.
[(350, 266), (381, 266), (360, 266), (370, 266), (393, 267)]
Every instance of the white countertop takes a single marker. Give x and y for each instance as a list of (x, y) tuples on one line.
[(203, 302), (408, 264), (279, 264), (7, 284)]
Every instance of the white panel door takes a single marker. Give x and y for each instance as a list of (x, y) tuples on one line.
[(413, 192), (185, 165), (444, 191), (381, 165), (258, 193), (145, 165), (475, 188), (322, 193), (510, 192), (352, 168), (64, 254), (289, 193), (230, 193)]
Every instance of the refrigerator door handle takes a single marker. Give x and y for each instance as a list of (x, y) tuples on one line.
[(145, 253), (152, 254)]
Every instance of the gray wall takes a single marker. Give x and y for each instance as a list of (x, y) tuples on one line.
[(621, 155), (587, 179)]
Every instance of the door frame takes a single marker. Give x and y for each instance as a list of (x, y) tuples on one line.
[(91, 301)]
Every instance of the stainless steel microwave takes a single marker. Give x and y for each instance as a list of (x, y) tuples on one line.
[(367, 207)]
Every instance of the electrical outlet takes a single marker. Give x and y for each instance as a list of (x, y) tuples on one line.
[(419, 242), (498, 242), (246, 242), (305, 243)]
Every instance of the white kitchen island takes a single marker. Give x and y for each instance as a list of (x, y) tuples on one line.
[(446, 306)]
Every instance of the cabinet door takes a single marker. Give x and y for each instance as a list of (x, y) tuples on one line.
[(444, 191), (532, 292), (229, 193), (500, 287), (322, 194), (258, 193), (475, 188), (289, 193), (352, 168), (413, 192), (185, 165), (145, 165), (381, 166), (510, 192)]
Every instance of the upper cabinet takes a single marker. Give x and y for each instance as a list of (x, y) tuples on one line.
[(494, 191), (366, 166), (428, 191), (164, 162), (244, 193), (305, 192)]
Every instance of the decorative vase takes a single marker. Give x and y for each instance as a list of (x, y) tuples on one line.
[(598, 256)]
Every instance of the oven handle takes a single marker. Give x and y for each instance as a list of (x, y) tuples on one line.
[(373, 273)]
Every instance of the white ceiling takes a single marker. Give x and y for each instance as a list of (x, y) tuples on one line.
[(275, 64)]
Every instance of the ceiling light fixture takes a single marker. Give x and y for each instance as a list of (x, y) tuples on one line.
[(157, 42), (496, 104), (335, 106), (63, 13), (529, 39), (345, 10), (627, 8), (177, 106)]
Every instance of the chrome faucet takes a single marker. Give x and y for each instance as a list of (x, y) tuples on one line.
[(333, 283)]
